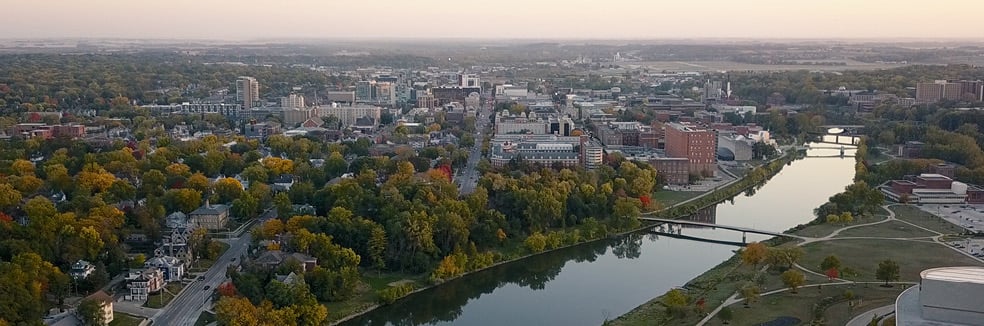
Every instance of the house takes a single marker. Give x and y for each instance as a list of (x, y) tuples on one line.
[(143, 283), (176, 220), (106, 303), (81, 269), (283, 182), (308, 262), (172, 268), (270, 258), (289, 279), (212, 217)]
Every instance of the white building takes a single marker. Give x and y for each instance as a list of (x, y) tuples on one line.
[(944, 296), (292, 101), (348, 114), (81, 269), (172, 268), (247, 91)]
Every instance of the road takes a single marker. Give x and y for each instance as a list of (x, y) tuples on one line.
[(467, 178), (185, 308)]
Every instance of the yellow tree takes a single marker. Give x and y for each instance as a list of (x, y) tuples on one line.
[(278, 165), (57, 176), (272, 228), (94, 178), (236, 311), (9, 197), (228, 189), (754, 253), (22, 167), (199, 182)]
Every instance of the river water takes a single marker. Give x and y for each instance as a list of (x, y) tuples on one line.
[(587, 284)]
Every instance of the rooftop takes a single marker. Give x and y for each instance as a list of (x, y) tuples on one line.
[(955, 274)]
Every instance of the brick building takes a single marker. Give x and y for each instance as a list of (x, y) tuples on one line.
[(697, 144)]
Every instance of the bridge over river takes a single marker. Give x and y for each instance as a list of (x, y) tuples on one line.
[(744, 230)]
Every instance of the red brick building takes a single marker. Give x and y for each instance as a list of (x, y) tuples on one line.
[(697, 144)]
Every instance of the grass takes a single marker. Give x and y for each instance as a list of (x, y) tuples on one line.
[(204, 319), (124, 320), (864, 255), (366, 294), (822, 230), (891, 229), (162, 298), (204, 264), (800, 305), (668, 198), (919, 217)]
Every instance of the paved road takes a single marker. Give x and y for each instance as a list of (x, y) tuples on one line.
[(467, 177)]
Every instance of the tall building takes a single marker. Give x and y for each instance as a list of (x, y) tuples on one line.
[(385, 93), (468, 80), (365, 91), (292, 101), (247, 91), (943, 90), (697, 144), (348, 115)]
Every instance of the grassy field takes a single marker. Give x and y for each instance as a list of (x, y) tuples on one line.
[(162, 298), (125, 320), (918, 217), (800, 305), (366, 294), (822, 230), (204, 319), (891, 229), (668, 198), (864, 255)]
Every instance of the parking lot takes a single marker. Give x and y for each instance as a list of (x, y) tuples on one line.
[(970, 217)]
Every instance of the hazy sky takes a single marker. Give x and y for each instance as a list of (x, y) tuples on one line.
[(638, 19)]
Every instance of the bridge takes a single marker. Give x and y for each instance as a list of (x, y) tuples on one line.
[(693, 238), (743, 230)]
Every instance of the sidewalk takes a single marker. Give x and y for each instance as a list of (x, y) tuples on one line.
[(865, 318)]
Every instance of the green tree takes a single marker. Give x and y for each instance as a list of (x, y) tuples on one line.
[(9, 197), (676, 302), (830, 262), (185, 199), (536, 242), (335, 165), (725, 315), (784, 257), (282, 202), (793, 279), (750, 292), (888, 271), (91, 312), (228, 189)]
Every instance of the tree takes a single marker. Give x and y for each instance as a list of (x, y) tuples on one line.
[(91, 312), (754, 253), (750, 292), (793, 278), (335, 165), (784, 257), (725, 315), (272, 228), (830, 262), (833, 218), (888, 271), (536, 242), (228, 189), (236, 311), (846, 218), (9, 197), (282, 202), (676, 302), (185, 199)]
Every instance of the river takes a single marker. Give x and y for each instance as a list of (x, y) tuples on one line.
[(587, 284)]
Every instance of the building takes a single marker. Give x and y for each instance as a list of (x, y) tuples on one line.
[(81, 269), (672, 170), (212, 217), (292, 101), (365, 91), (426, 101), (469, 80), (348, 115), (105, 305), (143, 283), (385, 93), (592, 152), (172, 268), (261, 130), (911, 149), (533, 123), (225, 109), (294, 116), (445, 95), (247, 92), (944, 296), (697, 144), (943, 90), (734, 147), (347, 97), (931, 188)]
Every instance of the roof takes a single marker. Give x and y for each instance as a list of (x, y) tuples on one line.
[(968, 274), (211, 210), (101, 296)]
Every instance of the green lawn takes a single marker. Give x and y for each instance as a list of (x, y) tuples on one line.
[(864, 255), (668, 198), (125, 320), (800, 305), (162, 298), (204, 319), (822, 230), (914, 215), (891, 229)]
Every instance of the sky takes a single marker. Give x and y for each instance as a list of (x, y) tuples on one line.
[(491, 19)]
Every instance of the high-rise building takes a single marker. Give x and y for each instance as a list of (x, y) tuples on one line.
[(385, 93), (943, 90), (468, 80), (247, 91), (697, 144), (292, 101), (365, 91)]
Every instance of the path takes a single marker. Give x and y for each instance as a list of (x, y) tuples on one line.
[(861, 320), (865, 318)]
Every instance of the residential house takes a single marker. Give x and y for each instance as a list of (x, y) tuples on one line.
[(81, 269), (143, 283), (105, 304), (172, 268)]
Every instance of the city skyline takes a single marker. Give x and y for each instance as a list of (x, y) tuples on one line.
[(504, 19)]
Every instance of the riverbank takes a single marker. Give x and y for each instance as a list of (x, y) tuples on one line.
[(733, 188)]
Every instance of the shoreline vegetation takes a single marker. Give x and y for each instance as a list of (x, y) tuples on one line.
[(754, 178)]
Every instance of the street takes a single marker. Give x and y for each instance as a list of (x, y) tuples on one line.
[(467, 178)]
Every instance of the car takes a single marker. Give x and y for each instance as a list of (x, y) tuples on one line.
[(233, 259), (207, 287)]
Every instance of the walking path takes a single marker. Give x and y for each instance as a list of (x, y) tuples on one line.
[(864, 318)]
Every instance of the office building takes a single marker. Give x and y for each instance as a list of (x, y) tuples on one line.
[(247, 92), (468, 80), (365, 91), (697, 144), (943, 90), (292, 101), (445, 95), (348, 115), (347, 97)]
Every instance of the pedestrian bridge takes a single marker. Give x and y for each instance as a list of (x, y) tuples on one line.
[(743, 230)]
